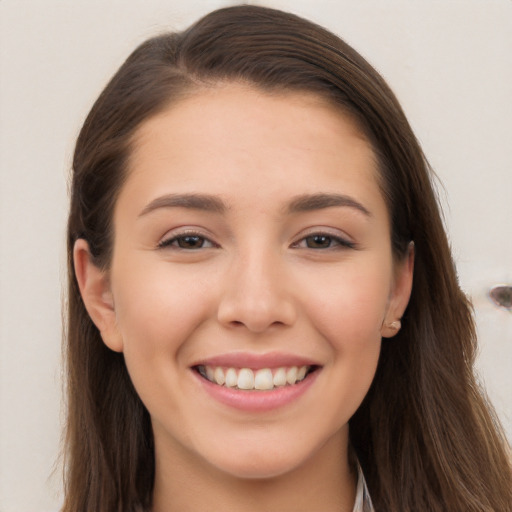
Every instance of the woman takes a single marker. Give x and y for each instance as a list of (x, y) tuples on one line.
[(263, 309)]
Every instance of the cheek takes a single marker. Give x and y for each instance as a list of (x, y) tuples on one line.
[(349, 309), (157, 308), (349, 318)]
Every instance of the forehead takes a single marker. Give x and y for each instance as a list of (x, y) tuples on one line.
[(251, 108), (234, 135)]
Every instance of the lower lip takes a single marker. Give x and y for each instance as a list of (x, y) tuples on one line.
[(258, 401)]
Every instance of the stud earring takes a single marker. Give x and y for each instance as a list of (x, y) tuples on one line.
[(395, 326)]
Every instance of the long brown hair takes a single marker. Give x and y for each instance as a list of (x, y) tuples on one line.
[(425, 435)]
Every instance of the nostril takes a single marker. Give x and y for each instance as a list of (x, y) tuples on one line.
[(238, 307), (256, 325)]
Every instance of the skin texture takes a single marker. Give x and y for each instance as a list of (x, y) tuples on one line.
[(256, 281)]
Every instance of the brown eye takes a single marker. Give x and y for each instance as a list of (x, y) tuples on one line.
[(323, 241), (318, 242), (189, 242)]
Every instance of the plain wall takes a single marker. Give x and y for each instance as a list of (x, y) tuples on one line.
[(449, 63)]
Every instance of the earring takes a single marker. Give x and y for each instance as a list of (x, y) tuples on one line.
[(395, 326)]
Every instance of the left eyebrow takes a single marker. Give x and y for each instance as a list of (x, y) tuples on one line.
[(203, 202), (309, 202)]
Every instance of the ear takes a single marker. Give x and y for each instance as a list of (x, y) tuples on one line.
[(94, 285), (400, 294)]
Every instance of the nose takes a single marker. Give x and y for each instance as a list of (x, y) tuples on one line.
[(257, 294)]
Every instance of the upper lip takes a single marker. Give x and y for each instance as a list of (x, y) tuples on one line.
[(256, 361)]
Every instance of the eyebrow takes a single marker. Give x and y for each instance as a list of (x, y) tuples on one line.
[(202, 202), (209, 203), (309, 202)]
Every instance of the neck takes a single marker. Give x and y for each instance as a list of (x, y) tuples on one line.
[(323, 482)]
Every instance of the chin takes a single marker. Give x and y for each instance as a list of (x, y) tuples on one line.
[(259, 470), (263, 462)]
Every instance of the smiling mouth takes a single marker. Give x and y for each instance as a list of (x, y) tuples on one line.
[(247, 379)]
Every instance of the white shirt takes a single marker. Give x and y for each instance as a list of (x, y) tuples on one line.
[(363, 501)]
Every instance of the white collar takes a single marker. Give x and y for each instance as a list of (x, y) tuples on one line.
[(363, 501)]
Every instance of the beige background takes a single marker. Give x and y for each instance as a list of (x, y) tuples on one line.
[(449, 62)]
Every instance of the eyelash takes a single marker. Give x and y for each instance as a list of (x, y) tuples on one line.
[(334, 242), (339, 242), (174, 241)]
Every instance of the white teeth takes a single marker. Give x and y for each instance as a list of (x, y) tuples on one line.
[(263, 379), (291, 375), (231, 378), (246, 379), (218, 376), (280, 377)]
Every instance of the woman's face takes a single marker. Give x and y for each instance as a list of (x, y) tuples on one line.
[(252, 245)]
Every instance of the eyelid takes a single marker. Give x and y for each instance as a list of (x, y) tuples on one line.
[(173, 235), (342, 239)]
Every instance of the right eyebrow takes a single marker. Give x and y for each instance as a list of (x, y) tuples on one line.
[(310, 202), (203, 202)]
